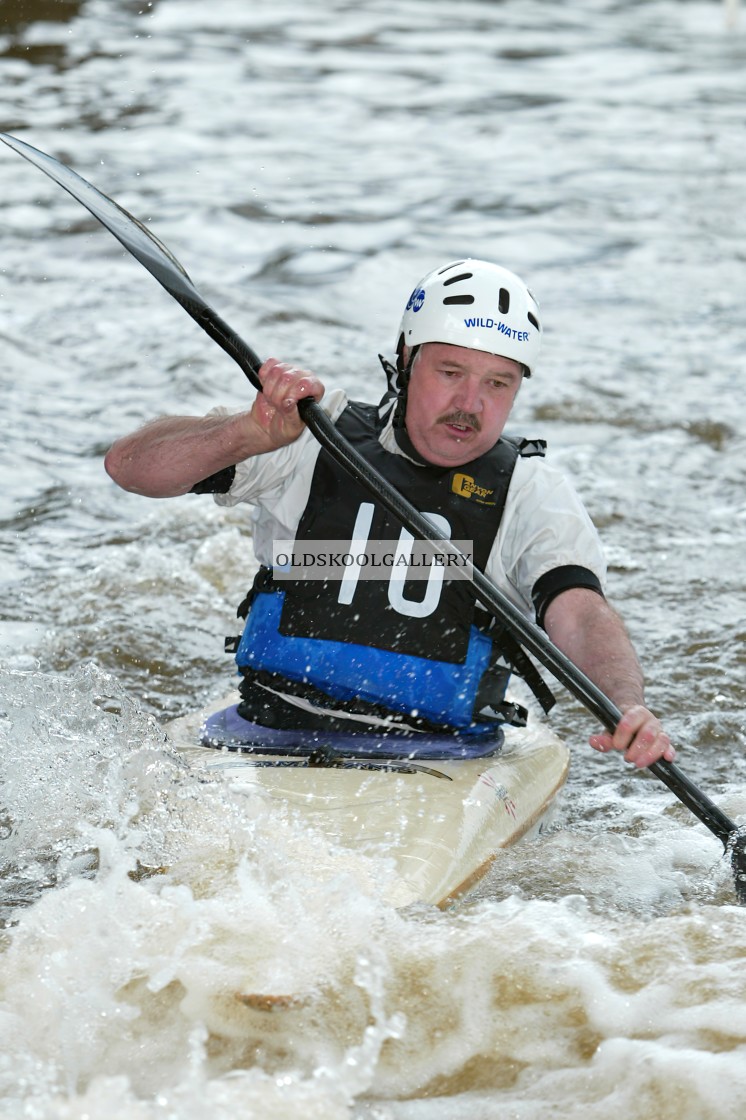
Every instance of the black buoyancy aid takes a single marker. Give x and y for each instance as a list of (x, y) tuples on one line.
[(414, 647)]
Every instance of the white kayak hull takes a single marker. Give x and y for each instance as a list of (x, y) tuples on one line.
[(442, 823)]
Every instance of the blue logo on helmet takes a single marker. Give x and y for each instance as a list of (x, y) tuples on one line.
[(416, 300)]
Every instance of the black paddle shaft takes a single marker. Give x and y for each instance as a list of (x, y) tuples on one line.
[(528, 634), (163, 265)]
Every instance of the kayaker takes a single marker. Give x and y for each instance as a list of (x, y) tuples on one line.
[(371, 654)]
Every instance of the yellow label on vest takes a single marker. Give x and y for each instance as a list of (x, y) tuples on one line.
[(465, 486)]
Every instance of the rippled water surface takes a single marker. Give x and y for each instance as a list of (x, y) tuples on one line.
[(307, 163)]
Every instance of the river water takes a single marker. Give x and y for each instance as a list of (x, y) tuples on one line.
[(307, 162)]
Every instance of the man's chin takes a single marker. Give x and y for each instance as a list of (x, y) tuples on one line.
[(449, 456)]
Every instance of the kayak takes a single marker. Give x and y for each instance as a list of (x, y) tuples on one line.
[(441, 821)]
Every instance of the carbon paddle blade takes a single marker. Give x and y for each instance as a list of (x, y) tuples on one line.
[(737, 851), (711, 815), (146, 248)]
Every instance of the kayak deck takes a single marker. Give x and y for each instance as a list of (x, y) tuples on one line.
[(441, 822)]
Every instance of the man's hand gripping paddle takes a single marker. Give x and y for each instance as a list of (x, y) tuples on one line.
[(161, 263)]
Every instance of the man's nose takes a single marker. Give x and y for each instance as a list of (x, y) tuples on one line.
[(468, 396)]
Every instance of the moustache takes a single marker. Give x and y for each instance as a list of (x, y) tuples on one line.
[(468, 419)]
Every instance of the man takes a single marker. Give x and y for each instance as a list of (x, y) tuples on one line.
[(375, 654)]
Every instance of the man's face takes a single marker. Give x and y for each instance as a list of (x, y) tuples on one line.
[(458, 402)]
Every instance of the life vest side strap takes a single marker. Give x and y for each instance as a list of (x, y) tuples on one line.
[(524, 667)]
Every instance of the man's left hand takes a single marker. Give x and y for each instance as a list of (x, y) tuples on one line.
[(639, 735)]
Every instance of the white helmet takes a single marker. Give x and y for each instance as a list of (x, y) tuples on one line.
[(476, 304)]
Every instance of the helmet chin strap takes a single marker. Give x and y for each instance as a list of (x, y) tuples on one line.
[(397, 378), (404, 371)]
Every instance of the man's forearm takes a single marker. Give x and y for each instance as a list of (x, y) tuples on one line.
[(168, 456), (592, 635)]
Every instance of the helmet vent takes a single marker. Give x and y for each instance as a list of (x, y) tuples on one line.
[(532, 319), (504, 301), (458, 299), (456, 279)]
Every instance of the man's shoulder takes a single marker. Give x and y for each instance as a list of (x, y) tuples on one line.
[(538, 482)]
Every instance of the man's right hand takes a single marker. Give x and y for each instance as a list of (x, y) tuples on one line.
[(275, 410)]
